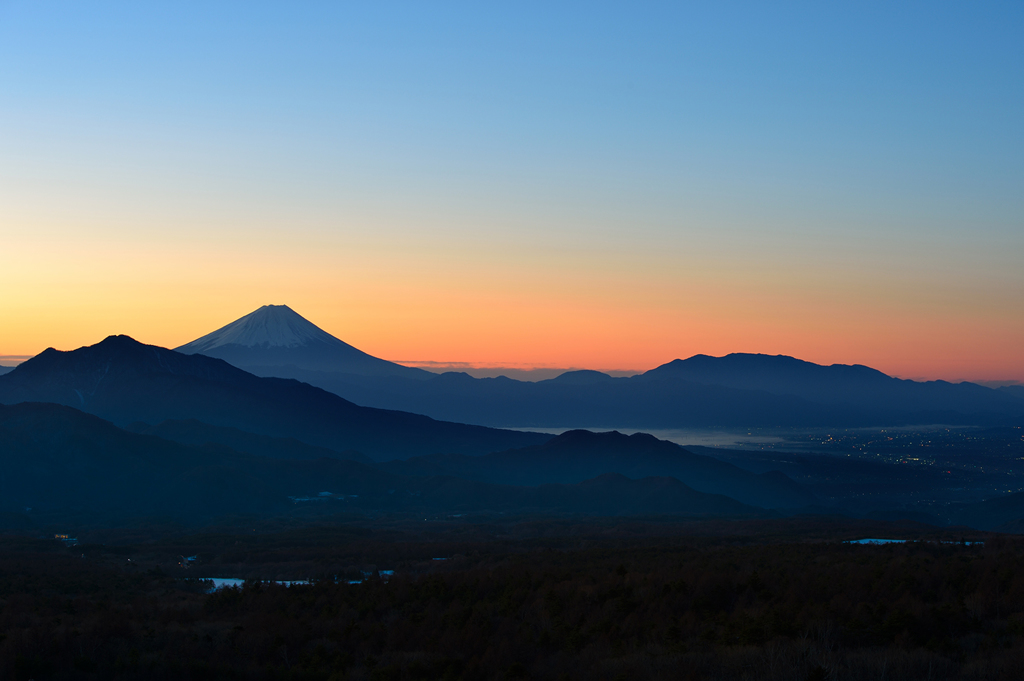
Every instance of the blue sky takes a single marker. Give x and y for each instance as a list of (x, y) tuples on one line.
[(874, 150)]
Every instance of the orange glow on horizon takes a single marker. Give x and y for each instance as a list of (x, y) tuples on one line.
[(635, 187), (512, 330), (445, 300)]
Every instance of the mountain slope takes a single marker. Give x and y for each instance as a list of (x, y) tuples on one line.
[(738, 390), (71, 467), (1016, 391), (600, 403), (838, 384), (125, 381), (192, 432), (671, 396), (580, 455), (277, 336), (59, 459)]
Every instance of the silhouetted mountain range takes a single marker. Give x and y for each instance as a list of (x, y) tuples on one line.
[(579, 455), (5, 370), (204, 402), (62, 465), (656, 400), (838, 384), (58, 459), (194, 437), (738, 390), (125, 381)]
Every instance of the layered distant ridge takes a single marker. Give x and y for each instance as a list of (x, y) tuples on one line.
[(124, 381), (738, 390)]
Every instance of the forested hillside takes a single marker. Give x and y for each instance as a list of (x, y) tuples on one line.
[(658, 609)]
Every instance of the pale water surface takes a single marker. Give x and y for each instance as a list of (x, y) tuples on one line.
[(704, 437)]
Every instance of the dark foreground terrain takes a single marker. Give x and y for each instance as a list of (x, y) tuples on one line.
[(545, 599)]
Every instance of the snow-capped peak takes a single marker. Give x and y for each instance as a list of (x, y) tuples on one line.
[(268, 327)]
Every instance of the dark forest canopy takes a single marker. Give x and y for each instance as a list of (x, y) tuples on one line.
[(605, 601)]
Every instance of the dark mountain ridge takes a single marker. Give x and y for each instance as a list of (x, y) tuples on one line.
[(68, 466), (579, 455), (836, 384), (1016, 391), (192, 432), (124, 381), (598, 403), (738, 390), (653, 400), (57, 459)]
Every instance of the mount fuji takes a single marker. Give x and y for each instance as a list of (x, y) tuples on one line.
[(738, 390), (275, 338)]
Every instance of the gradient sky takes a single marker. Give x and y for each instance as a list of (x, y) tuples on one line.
[(522, 184)]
